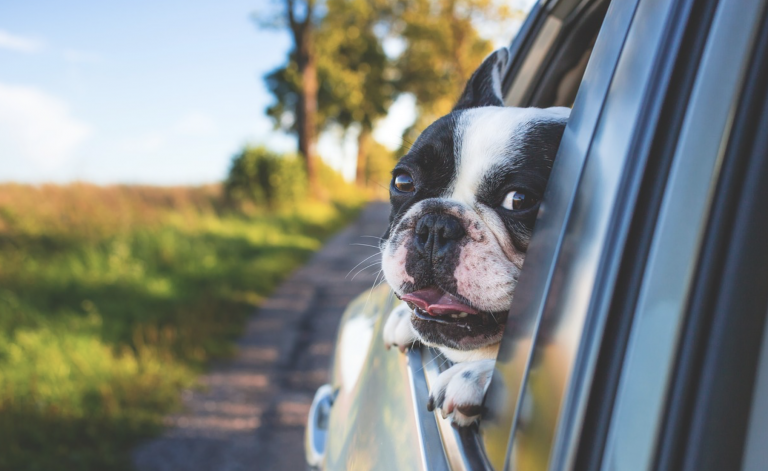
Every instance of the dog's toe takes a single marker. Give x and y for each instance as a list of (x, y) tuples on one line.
[(397, 329), (459, 391)]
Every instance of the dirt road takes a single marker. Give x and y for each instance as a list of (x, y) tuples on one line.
[(252, 411)]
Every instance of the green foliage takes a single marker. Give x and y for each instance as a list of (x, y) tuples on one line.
[(442, 50), (355, 87), (113, 298), (260, 179), (351, 70), (358, 81), (266, 179)]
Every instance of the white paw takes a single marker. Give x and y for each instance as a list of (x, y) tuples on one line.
[(397, 329), (459, 391)]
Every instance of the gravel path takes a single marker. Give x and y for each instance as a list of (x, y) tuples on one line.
[(252, 411)]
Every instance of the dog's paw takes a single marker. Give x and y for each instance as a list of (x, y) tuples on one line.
[(397, 329), (459, 391)]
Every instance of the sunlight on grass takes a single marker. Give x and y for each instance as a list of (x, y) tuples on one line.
[(113, 298)]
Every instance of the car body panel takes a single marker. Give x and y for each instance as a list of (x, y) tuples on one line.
[(373, 419)]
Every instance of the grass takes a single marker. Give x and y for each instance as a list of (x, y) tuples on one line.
[(112, 299)]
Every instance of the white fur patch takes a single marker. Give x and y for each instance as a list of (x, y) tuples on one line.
[(484, 137), (459, 386), (394, 266), (397, 329)]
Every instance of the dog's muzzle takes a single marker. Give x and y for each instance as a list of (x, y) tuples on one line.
[(437, 235)]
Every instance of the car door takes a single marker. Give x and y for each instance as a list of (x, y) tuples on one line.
[(372, 415), (614, 359)]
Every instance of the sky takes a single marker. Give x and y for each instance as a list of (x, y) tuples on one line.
[(160, 92)]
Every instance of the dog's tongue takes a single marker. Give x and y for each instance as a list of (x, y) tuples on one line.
[(437, 302)]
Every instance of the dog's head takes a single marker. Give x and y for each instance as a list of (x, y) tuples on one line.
[(464, 201)]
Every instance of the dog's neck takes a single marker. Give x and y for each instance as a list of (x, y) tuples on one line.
[(458, 356)]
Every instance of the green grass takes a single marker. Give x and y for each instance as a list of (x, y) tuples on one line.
[(102, 324)]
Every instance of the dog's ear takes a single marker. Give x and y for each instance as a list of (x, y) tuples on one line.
[(484, 87)]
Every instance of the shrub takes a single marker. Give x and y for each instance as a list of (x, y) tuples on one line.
[(265, 179)]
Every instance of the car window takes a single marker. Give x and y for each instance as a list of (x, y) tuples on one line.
[(543, 67)]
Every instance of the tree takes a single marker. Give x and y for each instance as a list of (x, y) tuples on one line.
[(355, 81), (356, 89), (442, 49), (353, 88), (296, 85)]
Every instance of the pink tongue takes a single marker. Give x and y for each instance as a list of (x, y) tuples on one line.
[(437, 302)]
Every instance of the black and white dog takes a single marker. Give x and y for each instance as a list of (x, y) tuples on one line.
[(464, 201)]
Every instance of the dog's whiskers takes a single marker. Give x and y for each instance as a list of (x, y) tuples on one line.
[(443, 363), (365, 307), (367, 245), (380, 283), (365, 268), (363, 261), (439, 354)]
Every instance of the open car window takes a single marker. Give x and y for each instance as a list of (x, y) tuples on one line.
[(550, 56)]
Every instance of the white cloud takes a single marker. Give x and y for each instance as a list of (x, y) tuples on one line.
[(19, 43), (37, 127)]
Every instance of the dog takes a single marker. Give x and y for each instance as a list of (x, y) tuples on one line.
[(464, 202)]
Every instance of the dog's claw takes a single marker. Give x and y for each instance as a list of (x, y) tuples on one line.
[(397, 329), (459, 391), (470, 410)]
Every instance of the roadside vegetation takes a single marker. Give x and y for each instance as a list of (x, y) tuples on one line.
[(113, 298)]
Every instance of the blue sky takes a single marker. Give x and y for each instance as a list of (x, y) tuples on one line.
[(150, 92), (160, 92)]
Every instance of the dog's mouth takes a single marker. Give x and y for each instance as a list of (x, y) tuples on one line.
[(435, 305)]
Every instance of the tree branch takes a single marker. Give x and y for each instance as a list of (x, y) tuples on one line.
[(292, 19)]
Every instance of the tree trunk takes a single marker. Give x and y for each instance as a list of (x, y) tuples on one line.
[(306, 114), (363, 147)]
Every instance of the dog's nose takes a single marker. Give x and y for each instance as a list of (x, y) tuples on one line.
[(437, 234)]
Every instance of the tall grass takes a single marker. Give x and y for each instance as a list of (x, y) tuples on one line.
[(113, 298)]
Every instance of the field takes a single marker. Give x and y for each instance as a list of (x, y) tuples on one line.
[(112, 299)]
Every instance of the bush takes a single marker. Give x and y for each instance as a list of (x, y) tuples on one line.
[(265, 179), (260, 179)]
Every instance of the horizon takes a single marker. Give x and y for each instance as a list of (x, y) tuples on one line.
[(147, 94)]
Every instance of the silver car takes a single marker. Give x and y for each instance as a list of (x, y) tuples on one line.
[(639, 317)]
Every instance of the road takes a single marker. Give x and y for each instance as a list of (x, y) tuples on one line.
[(250, 413)]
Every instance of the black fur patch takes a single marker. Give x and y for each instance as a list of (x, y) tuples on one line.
[(432, 165), (480, 90), (533, 156)]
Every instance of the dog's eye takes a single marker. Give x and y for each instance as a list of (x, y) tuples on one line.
[(404, 182), (518, 201)]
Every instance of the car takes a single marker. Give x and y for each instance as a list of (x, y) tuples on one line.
[(636, 337)]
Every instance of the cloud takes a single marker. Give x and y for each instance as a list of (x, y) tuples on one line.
[(19, 43), (38, 127)]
